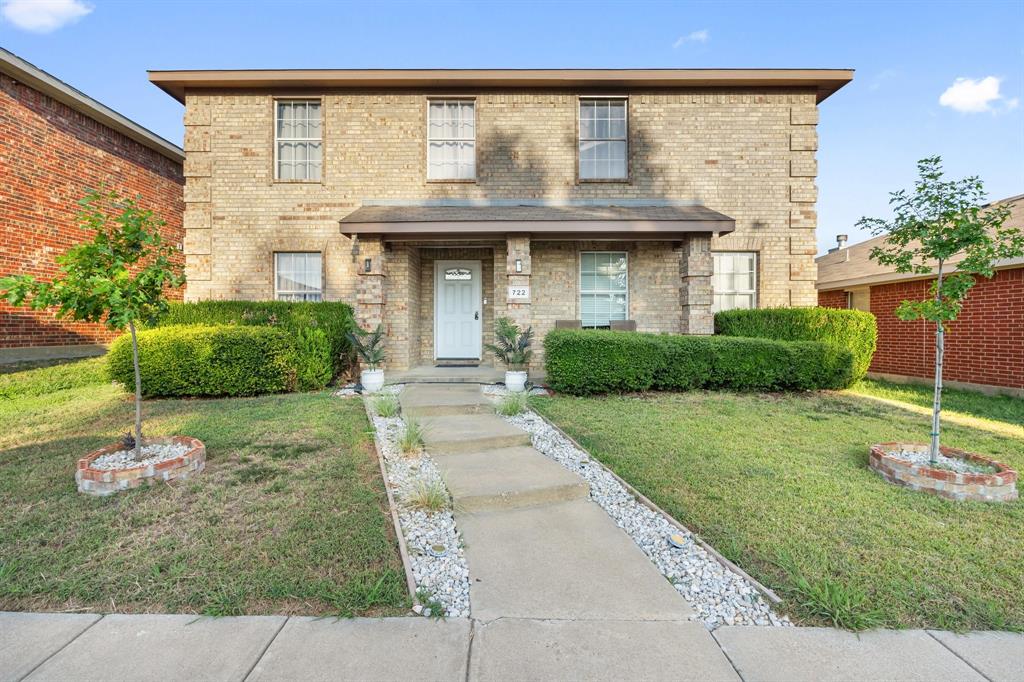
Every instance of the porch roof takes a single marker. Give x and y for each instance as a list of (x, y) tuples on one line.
[(611, 221)]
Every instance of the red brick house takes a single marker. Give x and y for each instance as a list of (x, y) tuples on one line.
[(984, 346), (56, 143)]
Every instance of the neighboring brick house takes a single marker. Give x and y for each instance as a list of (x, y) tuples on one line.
[(984, 346), (436, 201), (56, 143)]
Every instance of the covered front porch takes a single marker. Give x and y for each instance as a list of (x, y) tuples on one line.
[(438, 276)]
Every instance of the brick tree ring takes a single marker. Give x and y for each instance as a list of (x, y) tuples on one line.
[(907, 464), (94, 481)]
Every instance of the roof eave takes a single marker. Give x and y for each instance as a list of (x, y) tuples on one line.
[(645, 230), (175, 83)]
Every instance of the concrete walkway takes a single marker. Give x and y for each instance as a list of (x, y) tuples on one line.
[(143, 648)]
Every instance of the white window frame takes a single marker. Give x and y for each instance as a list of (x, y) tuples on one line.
[(754, 292), (579, 284), (278, 140), (278, 292), (580, 139), (446, 100)]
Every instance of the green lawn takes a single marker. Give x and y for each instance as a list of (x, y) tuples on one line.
[(290, 515), (1000, 408), (780, 485)]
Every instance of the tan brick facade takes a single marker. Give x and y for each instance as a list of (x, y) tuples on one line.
[(749, 154)]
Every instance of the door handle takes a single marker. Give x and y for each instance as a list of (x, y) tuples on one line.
[(476, 315)]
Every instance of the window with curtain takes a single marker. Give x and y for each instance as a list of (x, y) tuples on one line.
[(603, 139), (734, 281), (298, 140), (451, 139), (603, 288), (298, 277)]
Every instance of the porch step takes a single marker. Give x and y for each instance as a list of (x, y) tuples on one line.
[(470, 433), (507, 478), (421, 400), (445, 375)]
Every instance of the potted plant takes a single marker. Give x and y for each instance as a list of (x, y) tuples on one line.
[(368, 346), (512, 347)]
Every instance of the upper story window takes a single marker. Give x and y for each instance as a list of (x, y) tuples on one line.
[(734, 280), (298, 141), (451, 139), (603, 288), (298, 276), (603, 146)]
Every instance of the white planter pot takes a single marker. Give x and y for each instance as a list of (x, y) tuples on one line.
[(515, 381), (372, 380)]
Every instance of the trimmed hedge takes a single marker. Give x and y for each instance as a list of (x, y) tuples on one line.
[(334, 318), (852, 330), (580, 362), (224, 360)]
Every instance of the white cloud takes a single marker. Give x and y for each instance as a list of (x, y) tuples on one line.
[(971, 96), (43, 16), (701, 36)]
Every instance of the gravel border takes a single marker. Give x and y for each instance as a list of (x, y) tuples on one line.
[(445, 578), (956, 464), (718, 595), (153, 453)]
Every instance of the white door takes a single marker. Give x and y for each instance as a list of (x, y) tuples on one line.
[(457, 313)]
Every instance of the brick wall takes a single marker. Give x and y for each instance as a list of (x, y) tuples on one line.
[(985, 345), (832, 299), (50, 155)]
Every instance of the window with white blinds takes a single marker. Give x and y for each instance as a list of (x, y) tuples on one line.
[(451, 139), (604, 284), (298, 276), (603, 139), (734, 281), (298, 141)]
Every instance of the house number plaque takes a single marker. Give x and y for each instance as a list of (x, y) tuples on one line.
[(518, 293)]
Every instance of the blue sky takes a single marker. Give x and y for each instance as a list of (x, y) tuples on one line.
[(908, 56)]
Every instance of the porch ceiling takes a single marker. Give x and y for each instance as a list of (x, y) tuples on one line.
[(632, 222)]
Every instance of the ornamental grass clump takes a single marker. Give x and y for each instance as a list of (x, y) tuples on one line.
[(385, 406), (431, 497), (411, 440), (512, 404)]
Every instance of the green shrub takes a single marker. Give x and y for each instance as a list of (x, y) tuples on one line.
[(853, 330), (313, 365), (224, 360), (592, 361), (332, 317)]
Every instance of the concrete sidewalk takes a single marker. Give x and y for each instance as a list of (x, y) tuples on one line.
[(181, 647)]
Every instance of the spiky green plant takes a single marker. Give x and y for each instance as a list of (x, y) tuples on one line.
[(512, 404), (411, 440), (511, 345), (369, 345), (386, 405), (425, 496)]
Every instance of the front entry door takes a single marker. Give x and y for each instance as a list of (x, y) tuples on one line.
[(457, 313)]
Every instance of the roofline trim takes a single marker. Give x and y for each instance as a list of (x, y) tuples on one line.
[(34, 77), (176, 82), (887, 277), (540, 229)]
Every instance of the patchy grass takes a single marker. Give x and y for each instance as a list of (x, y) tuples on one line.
[(42, 378), (780, 485), (997, 408), (288, 517)]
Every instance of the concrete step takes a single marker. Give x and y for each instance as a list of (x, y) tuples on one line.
[(425, 400), (562, 561), (464, 433), (508, 478)]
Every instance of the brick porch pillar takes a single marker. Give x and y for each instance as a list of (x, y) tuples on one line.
[(695, 269), (370, 284), (518, 308)]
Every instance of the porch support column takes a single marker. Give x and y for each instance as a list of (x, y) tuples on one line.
[(695, 269), (370, 283), (518, 307)]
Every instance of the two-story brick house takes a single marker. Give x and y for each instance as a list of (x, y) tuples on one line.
[(436, 201)]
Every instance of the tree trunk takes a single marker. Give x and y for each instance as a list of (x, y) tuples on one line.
[(138, 393), (940, 347)]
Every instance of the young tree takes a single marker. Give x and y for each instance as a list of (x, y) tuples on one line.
[(119, 278), (939, 220)]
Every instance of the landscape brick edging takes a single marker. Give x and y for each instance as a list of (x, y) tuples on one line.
[(998, 487), (108, 481)]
